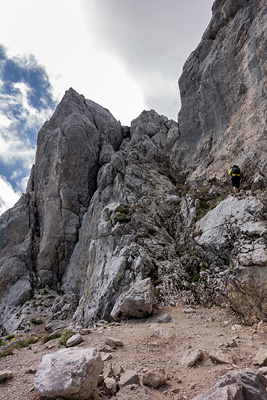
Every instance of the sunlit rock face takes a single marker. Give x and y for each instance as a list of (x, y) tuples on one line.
[(223, 93), (106, 206), (64, 178)]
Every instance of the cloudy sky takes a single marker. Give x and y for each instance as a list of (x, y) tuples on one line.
[(126, 55)]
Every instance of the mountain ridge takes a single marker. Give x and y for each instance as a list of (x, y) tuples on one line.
[(108, 206)]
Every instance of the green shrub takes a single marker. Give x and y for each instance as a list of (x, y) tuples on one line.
[(122, 218), (65, 337), (35, 321), (51, 337), (123, 213), (9, 337), (25, 343), (5, 353)]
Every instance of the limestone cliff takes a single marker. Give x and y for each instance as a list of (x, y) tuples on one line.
[(223, 89), (108, 206)]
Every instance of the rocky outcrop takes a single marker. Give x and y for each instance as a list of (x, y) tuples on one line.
[(137, 302), (125, 228), (64, 178), (109, 206), (235, 232), (244, 384), (223, 94), (39, 234)]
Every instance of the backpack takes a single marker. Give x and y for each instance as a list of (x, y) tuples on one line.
[(235, 170)]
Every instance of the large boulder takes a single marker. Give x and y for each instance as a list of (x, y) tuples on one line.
[(69, 373), (238, 385), (235, 232), (137, 302)]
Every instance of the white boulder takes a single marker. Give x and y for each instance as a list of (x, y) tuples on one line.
[(70, 373)]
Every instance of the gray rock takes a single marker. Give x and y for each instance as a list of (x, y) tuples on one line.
[(110, 386), (138, 302), (129, 377), (113, 342), (239, 385), (221, 357), (224, 232), (261, 357), (70, 373), (191, 357), (155, 378), (118, 370), (106, 356), (219, 95), (163, 319), (5, 374), (74, 340), (106, 207)]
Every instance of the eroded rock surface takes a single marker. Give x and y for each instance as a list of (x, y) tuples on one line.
[(107, 206), (223, 95), (244, 384)]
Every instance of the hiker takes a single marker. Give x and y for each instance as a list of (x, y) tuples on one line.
[(236, 176)]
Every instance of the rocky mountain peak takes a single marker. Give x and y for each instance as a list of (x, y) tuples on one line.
[(114, 213)]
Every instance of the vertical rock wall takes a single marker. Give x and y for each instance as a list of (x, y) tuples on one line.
[(223, 93)]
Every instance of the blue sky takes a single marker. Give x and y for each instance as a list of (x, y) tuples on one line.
[(26, 101), (123, 54)]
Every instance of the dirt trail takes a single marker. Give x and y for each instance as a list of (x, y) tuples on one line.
[(149, 344)]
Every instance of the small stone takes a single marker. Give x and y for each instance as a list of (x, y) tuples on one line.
[(236, 327), (31, 370), (232, 343), (189, 310), (129, 377), (114, 343), (106, 356), (261, 357), (263, 370), (163, 319), (5, 374), (106, 349), (101, 323), (110, 386), (155, 378), (191, 357), (85, 331), (221, 357), (108, 371), (118, 370)]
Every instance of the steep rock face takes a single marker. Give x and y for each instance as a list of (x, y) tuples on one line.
[(16, 270), (235, 232), (125, 227), (64, 178), (223, 93), (39, 234), (103, 211)]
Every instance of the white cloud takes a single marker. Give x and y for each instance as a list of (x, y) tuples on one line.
[(152, 39), (8, 197), (4, 121)]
